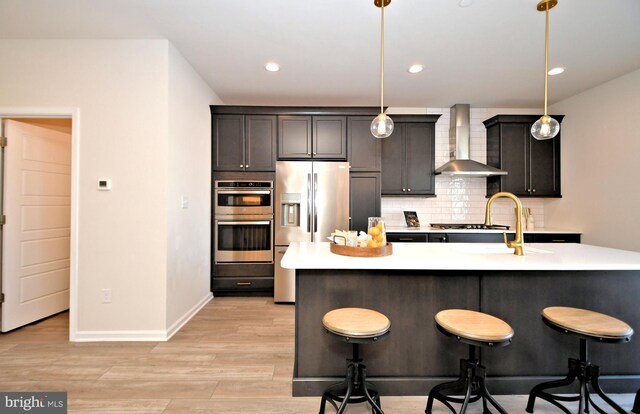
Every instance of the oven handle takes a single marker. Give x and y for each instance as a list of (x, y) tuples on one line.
[(250, 223), (244, 191)]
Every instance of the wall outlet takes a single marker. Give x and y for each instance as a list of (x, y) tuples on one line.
[(106, 295), (184, 201)]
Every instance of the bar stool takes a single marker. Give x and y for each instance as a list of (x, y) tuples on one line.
[(356, 326), (586, 325), (478, 330)]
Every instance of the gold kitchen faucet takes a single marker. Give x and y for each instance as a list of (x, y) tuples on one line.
[(518, 243)]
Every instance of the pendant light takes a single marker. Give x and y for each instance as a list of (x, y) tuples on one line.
[(382, 125), (545, 127)]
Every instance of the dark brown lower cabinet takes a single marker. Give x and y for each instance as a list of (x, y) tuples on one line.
[(481, 237), (253, 279)]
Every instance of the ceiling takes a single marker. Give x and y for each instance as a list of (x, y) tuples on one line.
[(490, 54)]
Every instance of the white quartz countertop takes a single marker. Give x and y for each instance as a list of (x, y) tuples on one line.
[(467, 256), (429, 229)]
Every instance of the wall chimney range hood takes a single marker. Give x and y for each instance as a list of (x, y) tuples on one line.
[(459, 143)]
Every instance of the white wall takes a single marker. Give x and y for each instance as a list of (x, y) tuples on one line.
[(189, 234), (600, 172), (121, 89)]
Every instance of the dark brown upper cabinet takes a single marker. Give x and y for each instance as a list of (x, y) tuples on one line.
[(408, 157), (244, 142), (533, 166), (312, 137), (365, 151)]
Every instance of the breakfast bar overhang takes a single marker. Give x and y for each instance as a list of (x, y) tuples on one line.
[(420, 279)]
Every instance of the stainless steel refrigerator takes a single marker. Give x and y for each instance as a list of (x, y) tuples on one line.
[(312, 200)]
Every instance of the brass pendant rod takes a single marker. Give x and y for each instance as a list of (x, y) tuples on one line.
[(382, 57), (546, 57)]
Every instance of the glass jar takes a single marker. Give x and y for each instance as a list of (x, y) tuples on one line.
[(378, 232), (352, 238)]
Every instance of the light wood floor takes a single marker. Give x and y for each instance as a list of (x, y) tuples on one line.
[(234, 357)]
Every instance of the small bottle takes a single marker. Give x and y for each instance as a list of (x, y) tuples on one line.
[(530, 223)]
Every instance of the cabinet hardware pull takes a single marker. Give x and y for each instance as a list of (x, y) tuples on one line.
[(315, 153), (243, 284), (241, 166), (558, 241), (308, 153), (246, 166), (405, 239), (408, 189), (404, 189), (534, 190)]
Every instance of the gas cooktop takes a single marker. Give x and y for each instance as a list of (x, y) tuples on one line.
[(465, 226)]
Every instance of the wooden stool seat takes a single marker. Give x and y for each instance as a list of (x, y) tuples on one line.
[(475, 326), (586, 322), (356, 322)]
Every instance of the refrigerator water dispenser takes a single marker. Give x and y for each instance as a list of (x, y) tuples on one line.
[(290, 209)]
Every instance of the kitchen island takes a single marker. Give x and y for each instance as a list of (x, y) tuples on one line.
[(420, 279)]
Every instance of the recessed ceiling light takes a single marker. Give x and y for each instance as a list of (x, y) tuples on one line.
[(556, 71), (465, 3), (415, 68), (272, 67)]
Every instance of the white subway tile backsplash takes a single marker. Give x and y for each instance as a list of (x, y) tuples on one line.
[(458, 199)]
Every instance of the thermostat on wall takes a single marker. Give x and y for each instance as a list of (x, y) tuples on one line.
[(104, 184)]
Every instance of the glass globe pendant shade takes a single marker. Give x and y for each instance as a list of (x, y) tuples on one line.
[(381, 126), (545, 128)]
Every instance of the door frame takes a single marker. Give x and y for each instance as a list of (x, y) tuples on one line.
[(74, 114)]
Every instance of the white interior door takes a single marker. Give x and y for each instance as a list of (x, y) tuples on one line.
[(36, 236)]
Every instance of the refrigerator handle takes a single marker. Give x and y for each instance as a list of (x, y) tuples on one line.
[(315, 202), (308, 203)]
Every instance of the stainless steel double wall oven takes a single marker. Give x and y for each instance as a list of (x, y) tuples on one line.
[(243, 221)]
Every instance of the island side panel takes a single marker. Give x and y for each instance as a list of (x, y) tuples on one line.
[(538, 351), (415, 350)]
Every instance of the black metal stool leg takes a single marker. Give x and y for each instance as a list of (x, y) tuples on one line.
[(471, 382), (538, 390), (636, 404), (594, 373), (436, 391), (587, 375), (374, 406), (467, 393), (347, 394), (353, 389), (486, 396)]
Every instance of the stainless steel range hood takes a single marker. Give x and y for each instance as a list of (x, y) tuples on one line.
[(459, 144)]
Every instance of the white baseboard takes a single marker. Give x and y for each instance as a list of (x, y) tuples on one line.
[(115, 336), (175, 327), (154, 336)]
